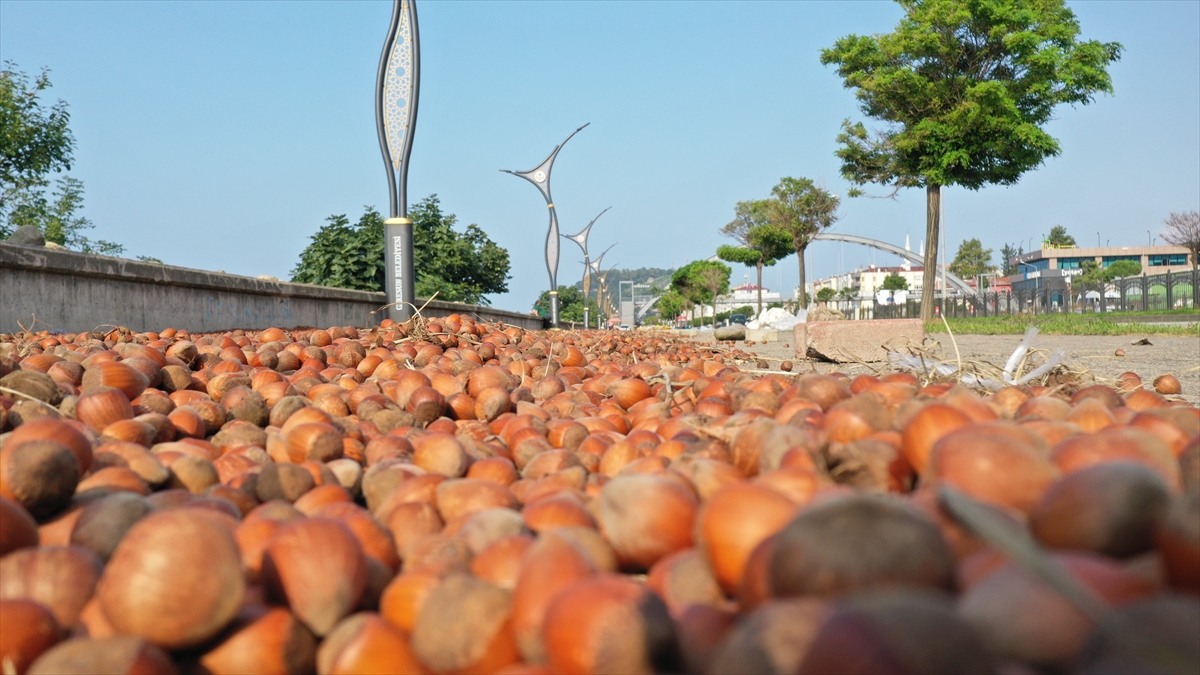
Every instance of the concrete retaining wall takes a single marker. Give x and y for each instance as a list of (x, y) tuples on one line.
[(74, 291)]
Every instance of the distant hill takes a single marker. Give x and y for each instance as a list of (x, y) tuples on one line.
[(659, 278)]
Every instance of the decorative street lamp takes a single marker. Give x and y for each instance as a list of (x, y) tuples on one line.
[(594, 269), (581, 239), (540, 177), (396, 90), (601, 296)]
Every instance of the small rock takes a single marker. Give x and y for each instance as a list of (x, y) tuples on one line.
[(786, 366), (28, 235), (734, 332), (762, 365), (1119, 352), (825, 314)]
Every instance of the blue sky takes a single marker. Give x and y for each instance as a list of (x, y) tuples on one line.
[(220, 135)]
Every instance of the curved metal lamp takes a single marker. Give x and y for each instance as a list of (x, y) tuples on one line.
[(581, 239), (396, 91), (540, 177)]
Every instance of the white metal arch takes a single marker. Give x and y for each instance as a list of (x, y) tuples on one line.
[(951, 278)]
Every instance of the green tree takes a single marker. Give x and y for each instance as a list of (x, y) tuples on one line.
[(895, 282), (670, 305), (1059, 238), (57, 216), (458, 266), (344, 255), (570, 304), (35, 142), (826, 294), (801, 209), (1121, 269), (461, 267), (762, 244), (849, 293), (963, 88), (972, 259), (1009, 255), (701, 282)]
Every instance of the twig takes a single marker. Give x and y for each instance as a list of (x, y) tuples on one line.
[(22, 394), (957, 354)]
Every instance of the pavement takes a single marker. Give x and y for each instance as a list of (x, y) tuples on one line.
[(1092, 354)]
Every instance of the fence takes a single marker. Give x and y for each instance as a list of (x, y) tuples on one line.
[(1160, 292)]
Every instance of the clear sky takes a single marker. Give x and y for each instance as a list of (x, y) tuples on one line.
[(220, 135)]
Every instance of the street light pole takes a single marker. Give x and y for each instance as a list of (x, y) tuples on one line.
[(1037, 284), (397, 88), (594, 267), (581, 239), (540, 177)]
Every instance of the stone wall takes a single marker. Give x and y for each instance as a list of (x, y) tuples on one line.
[(72, 291)]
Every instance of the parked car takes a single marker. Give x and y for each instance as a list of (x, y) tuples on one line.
[(737, 318), (624, 326)]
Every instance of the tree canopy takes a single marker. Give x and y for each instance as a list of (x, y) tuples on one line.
[(1121, 269), (1058, 237), (972, 259), (801, 209), (895, 282), (458, 266), (701, 282), (1008, 256), (36, 142), (570, 305), (963, 88), (762, 244), (670, 305), (1183, 229)]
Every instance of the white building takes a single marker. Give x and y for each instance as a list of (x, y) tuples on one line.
[(746, 294), (741, 296), (869, 281)]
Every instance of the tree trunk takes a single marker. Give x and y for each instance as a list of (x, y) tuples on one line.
[(759, 290), (933, 209), (1195, 280), (800, 259)]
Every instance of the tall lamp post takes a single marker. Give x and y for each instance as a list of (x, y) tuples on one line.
[(540, 177), (601, 296), (581, 239), (396, 91), (594, 271)]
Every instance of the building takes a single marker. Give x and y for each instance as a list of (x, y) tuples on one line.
[(1048, 271), (741, 296), (1153, 259), (869, 281)]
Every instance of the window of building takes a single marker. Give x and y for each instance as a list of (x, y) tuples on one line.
[(1110, 259), (1072, 263), (1164, 259)]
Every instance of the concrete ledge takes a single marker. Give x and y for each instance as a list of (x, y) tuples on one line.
[(762, 334), (75, 291), (847, 341)]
